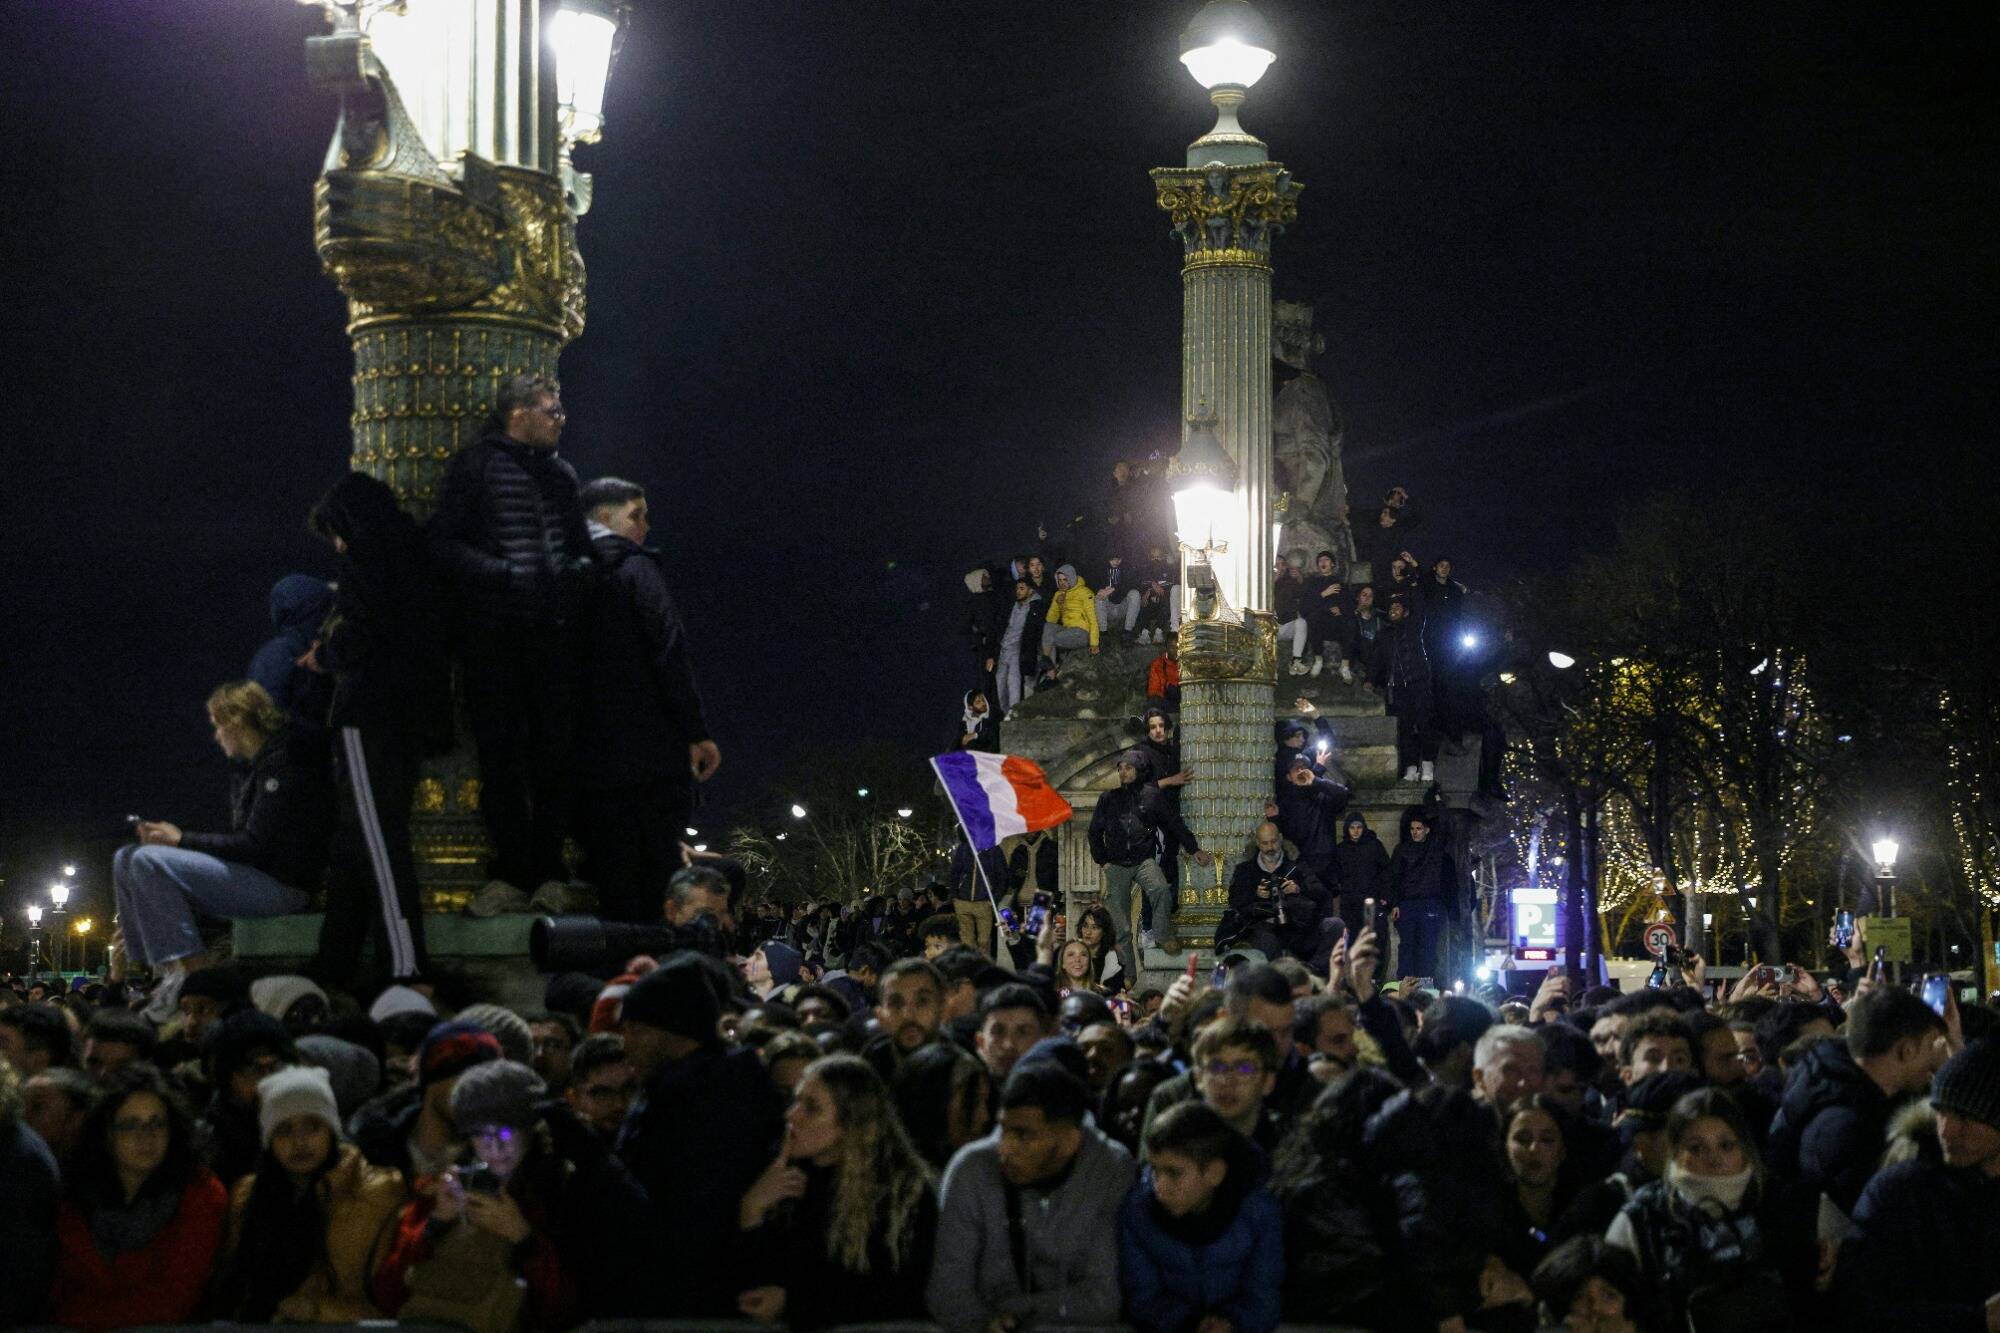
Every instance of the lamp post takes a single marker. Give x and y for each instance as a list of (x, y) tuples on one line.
[(59, 895), (1884, 851), (1226, 205), (83, 944), (446, 213), (34, 938)]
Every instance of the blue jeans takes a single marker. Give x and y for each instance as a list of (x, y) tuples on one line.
[(1420, 935), (161, 890)]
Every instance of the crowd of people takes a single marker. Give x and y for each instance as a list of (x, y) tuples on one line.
[(1396, 624), (720, 1133)]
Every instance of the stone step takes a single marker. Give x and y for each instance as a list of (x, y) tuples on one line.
[(445, 936)]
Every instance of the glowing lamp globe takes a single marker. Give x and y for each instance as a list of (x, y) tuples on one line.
[(584, 36), (1227, 45)]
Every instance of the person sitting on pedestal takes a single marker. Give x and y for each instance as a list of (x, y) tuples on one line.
[(1276, 903), (1072, 620), (266, 865)]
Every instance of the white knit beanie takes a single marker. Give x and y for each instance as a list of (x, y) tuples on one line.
[(294, 1091), (276, 995), (400, 1000)]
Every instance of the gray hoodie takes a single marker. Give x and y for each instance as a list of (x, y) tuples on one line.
[(1071, 1236)]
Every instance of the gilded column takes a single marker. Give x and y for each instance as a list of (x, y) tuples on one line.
[(1226, 206), (448, 221)]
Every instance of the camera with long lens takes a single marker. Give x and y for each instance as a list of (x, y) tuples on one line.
[(601, 948)]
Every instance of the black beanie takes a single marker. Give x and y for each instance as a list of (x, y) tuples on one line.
[(1969, 1083), (676, 997), (226, 986)]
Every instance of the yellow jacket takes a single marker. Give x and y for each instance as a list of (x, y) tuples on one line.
[(1075, 609), (361, 1202)]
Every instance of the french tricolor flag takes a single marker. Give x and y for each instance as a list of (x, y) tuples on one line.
[(998, 795)]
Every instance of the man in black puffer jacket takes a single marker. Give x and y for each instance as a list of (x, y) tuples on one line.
[(1124, 832), (508, 536), (643, 743)]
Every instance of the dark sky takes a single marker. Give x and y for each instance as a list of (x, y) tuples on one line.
[(876, 285)]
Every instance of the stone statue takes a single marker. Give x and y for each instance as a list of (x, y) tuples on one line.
[(1306, 435)]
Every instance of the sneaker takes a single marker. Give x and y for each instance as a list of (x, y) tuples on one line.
[(498, 898), (1319, 665), (1410, 774), (1298, 667), (166, 999), (1346, 674), (1430, 771), (1145, 940)]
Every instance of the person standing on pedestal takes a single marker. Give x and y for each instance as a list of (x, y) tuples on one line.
[(1424, 891), (391, 709), (1123, 831), (643, 744), (508, 534)]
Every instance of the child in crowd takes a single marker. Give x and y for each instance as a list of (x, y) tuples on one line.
[(1200, 1243)]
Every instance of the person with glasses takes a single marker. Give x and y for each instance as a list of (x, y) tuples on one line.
[(240, 1051), (508, 538), (539, 1226), (1235, 1070), (602, 1083), (141, 1222)]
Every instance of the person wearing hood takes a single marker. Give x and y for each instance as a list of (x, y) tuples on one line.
[(643, 746), (1028, 1228), (391, 711), (1199, 1237), (1072, 620), (985, 622), (1311, 736), (1716, 1237), (1424, 894), (1928, 1250), (1124, 830), (1307, 810), (1830, 1125), (266, 865), (1020, 634), (300, 604), (239, 1052), (307, 1228), (1360, 870), (979, 725), (705, 1126), (509, 540)]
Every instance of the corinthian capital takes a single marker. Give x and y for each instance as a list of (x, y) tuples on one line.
[(1228, 215)]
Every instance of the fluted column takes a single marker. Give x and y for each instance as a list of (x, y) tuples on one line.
[(1226, 213)]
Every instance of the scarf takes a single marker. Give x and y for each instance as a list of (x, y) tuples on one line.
[(1711, 1193)]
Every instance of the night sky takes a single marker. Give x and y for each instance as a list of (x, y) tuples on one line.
[(876, 286)]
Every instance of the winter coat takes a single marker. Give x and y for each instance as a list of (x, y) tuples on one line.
[(1021, 631), (1075, 608), (29, 1182), (1309, 817), (1928, 1255), (1173, 1280), (1336, 1266), (1829, 1130), (1163, 678), (1069, 1237), (300, 604), (1123, 826), (1322, 608), (1762, 1255), (641, 708), (508, 535), (1299, 933), (281, 812), (1312, 738), (790, 1250), (1287, 598), (1423, 870), (235, 1139), (1436, 1162), (702, 1131), (162, 1282), (1361, 865), (1380, 546), (1409, 666), (985, 617), (382, 643), (359, 1202)]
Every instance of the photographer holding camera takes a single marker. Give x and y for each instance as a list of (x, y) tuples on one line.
[(1276, 902)]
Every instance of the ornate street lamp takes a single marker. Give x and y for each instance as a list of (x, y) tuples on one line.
[(1226, 204), (446, 213), (59, 895)]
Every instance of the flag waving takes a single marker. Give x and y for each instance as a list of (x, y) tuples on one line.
[(996, 796)]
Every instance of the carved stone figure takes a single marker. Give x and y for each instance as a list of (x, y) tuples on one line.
[(1306, 434)]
